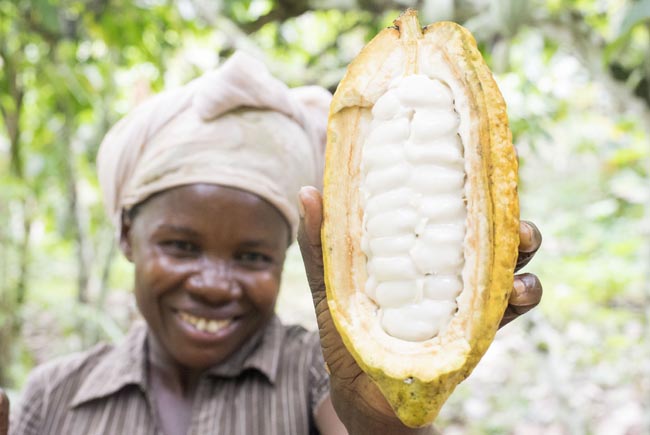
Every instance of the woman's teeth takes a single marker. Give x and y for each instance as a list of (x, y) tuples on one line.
[(205, 325)]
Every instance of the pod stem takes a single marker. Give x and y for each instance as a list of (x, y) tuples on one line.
[(410, 32), (409, 25)]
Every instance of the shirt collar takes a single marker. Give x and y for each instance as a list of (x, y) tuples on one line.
[(261, 352), (126, 363), (123, 365)]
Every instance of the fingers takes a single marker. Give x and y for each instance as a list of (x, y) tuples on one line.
[(527, 290), (530, 240), (4, 413), (529, 237), (526, 295)]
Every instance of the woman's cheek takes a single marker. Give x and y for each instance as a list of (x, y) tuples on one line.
[(265, 286)]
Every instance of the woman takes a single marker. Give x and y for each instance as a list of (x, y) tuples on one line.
[(202, 182)]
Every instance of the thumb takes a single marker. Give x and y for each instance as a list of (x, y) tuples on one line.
[(4, 413), (311, 218), (311, 211)]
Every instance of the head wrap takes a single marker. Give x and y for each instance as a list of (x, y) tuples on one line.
[(236, 126)]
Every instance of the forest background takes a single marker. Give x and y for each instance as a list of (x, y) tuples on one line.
[(575, 76)]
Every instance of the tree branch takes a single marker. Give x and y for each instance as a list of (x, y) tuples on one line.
[(254, 26), (11, 116)]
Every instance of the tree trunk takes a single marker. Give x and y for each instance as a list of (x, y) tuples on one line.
[(11, 111), (75, 208)]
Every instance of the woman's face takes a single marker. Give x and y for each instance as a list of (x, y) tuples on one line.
[(208, 261)]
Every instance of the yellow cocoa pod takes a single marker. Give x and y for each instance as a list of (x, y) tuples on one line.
[(421, 212)]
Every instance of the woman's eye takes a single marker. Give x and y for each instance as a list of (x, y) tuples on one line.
[(179, 246), (254, 258)]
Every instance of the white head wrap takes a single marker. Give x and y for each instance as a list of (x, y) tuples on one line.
[(237, 126)]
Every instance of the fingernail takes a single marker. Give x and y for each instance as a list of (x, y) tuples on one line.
[(527, 234), (519, 287), (528, 238), (301, 207)]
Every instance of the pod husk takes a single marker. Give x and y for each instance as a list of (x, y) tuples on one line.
[(417, 379)]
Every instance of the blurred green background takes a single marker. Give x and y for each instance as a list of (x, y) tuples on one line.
[(576, 78)]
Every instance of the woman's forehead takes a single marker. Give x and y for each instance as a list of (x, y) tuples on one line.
[(209, 204)]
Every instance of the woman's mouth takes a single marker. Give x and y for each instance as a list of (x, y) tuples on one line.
[(202, 324)]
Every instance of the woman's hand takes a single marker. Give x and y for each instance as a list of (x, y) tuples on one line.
[(527, 290), (356, 399), (4, 413)]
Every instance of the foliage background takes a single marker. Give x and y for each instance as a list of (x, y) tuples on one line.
[(575, 75)]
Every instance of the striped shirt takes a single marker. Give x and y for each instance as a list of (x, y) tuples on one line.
[(272, 385)]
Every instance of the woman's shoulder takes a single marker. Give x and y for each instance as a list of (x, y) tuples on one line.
[(300, 348), (301, 355), (51, 374), (50, 386), (68, 370), (56, 387), (298, 338)]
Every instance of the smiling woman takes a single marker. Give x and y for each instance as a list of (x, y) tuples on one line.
[(202, 183)]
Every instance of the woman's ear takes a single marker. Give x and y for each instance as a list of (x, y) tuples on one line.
[(126, 223)]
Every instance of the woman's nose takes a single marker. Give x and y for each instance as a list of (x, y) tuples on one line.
[(214, 282)]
